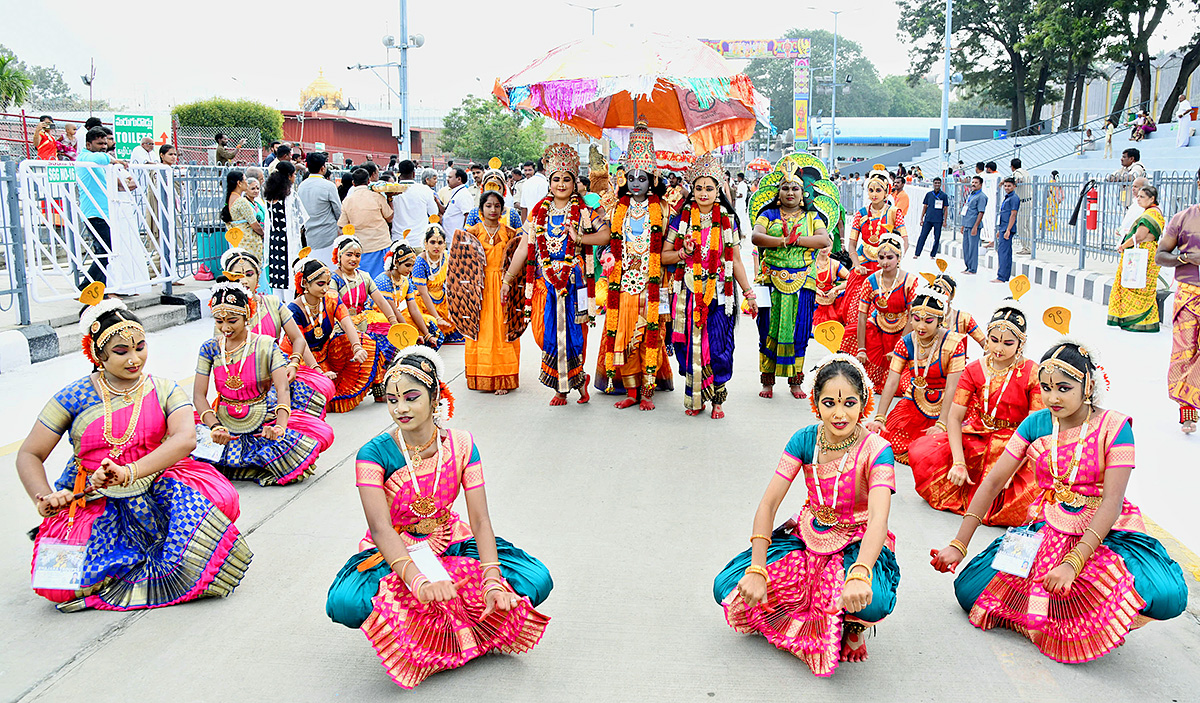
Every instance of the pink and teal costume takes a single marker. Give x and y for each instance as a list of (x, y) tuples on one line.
[(311, 389), (167, 538), (807, 560), (1129, 581), (415, 639), (245, 406)]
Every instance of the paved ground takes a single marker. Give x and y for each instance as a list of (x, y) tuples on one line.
[(634, 513)]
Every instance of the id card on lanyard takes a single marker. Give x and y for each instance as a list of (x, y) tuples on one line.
[(1017, 552)]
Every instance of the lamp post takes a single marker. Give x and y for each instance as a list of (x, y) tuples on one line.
[(415, 41), (833, 103), (946, 90), (594, 10)]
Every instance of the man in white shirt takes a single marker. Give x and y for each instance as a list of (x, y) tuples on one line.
[(449, 169), (741, 192), (458, 204), (1183, 114), (533, 188), (144, 153), (412, 208), (1134, 211), (991, 188), (1131, 166)]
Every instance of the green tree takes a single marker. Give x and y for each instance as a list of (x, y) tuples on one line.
[(14, 84), (1189, 62), (987, 38), (48, 89), (907, 98), (774, 78), (1074, 30), (1135, 22), (222, 113), (480, 128)]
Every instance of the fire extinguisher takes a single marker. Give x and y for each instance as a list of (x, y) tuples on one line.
[(1092, 196)]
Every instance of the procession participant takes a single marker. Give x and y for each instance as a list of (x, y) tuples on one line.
[(371, 312), (814, 584), (633, 350), (493, 363), (1179, 248), (252, 415), (495, 180), (925, 363), (309, 388), (132, 506), (877, 218), (788, 230), (395, 283), (704, 242), (1136, 309), (430, 591), (429, 276), (956, 320), (883, 310), (553, 245), (995, 394), (1096, 574), (347, 359), (832, 272)]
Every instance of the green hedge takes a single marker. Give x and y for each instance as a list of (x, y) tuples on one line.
[(221, 113)]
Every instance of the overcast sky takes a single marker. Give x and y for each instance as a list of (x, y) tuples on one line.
[(150, 55)]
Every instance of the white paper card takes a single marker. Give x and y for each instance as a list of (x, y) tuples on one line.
[(1134, 262), (206, 449), (763, 293), (428, 562), (937, 204), (1018, 549), (581, 300), (59, 565)]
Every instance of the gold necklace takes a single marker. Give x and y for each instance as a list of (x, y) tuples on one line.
[(919, 379), (491, 233), (988, 416), (1064, 490), (117, 445), (315, 318), (233, 380), (421, 449), (827, 514), (422, 506), (114, 391)]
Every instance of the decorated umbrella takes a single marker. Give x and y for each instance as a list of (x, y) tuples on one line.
[(759, 164), (690, 96), (673, 161)]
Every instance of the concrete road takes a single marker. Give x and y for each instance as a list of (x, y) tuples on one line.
[(634, 513)]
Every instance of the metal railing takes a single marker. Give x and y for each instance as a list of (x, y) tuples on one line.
[(13, 288)]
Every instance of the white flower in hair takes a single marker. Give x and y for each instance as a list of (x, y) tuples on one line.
[(226, 286), (928, 292), (425, 352), (810, 379), (235, 253), (346, 240), (93, 312), (1011, 304)]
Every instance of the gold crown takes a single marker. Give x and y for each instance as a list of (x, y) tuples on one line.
[(560, 157), (639, 156), (709, 166)]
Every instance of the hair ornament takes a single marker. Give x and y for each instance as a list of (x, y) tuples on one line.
[(810, 383), (237, 254), (892, 241), (706, 166), (229, 297)]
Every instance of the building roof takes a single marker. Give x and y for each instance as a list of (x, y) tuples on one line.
[(887, 130), (333, 116)]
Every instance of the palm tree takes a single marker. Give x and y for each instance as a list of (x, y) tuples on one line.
[(14, 84)]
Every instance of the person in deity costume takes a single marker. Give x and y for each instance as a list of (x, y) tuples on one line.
[(429, 276), (1179, 248), (815, 583), (877, 218), (428, 589), (704, 242), (348, 359), (310, 388), (994, 396), (131, 507), (1136, 309), (956, 320), (882, 310), (1093, 573), (925, 363), (371, 312), (554, 252), (832, 271), (791, 211), (633, 354), (396, 286), (494, 179), (493, 363), (252, 416)]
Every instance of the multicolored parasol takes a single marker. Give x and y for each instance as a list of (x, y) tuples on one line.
[(673, 161), (690, 96), (759, 164)]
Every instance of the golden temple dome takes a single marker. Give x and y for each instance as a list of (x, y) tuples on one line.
[(322, 88)]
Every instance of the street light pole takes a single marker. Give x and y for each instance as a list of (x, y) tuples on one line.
[(594, 10), (833, 106), (946, 90), (405, 147)]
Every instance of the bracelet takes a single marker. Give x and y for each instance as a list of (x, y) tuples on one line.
[(217, 426), (942, 426), (957, 544), (210, 410), (762, 537), (131, 473), (858, 577), (964, 465), (966, 515), (356, 347), (494, 587), (760, 570), (282, 407), (418, 581), (881, 419), (858, 564), (393, 562), (1073, 560), (1099, 539), (862, 350)]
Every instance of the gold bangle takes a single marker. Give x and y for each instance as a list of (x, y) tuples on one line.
[(960, 463), (216, 427), (966, 515), (858, 577), (1074, 561), (1099, 539), (282, 407), (939, 425), (958, 544), (762, 537), (210, 410), (760, 570), (392, 563), (860, 565)]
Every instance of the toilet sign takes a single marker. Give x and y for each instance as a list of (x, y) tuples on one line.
[(129, 130)]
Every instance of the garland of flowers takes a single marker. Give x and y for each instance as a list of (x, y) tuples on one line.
[(653, 337), (538, 252), (709, 265)]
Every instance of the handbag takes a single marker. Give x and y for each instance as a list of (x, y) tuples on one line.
[(1134, 262)]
